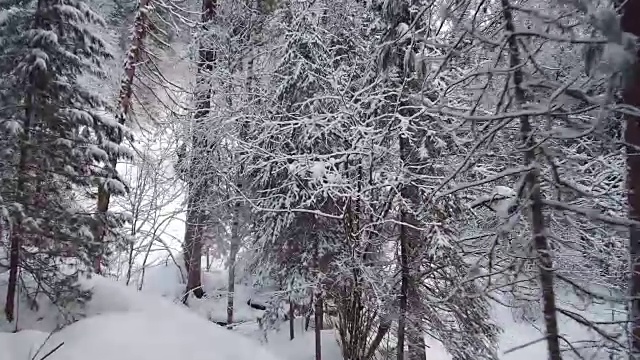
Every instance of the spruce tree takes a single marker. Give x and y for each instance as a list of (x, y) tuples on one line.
[(57, 138)]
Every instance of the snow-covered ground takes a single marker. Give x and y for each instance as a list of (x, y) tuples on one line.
[(122, 323)]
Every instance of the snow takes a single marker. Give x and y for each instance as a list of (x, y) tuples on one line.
[(318, 170), (215, 307), (152, 335), (21, 345), (166, 281), (122, 323), (302, 347)]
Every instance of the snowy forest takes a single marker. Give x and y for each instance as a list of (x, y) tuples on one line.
[(319, 179)]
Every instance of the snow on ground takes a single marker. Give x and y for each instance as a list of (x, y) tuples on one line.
[(152, 335), (166, 280), (124, 324), (515, 332), (302, 347), (22, 345)]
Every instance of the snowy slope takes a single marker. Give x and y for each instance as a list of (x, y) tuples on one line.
[(124, 324), (165, 280), (515, 332), (152, 335), (22, 345), (126, 318)]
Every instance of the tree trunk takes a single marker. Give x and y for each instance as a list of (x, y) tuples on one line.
[(193, 248), (292, 320), (16, 243), (141, 26), (410, 320), (307, 318), (14, 263), (631, 96), (208, 257), (415, 343), (545, 262), (194, 234), (383, 329), (319, 320), (404, 285), (233, 252)]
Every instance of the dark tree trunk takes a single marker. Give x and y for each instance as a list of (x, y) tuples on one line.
[(631, 96), (383, 329), (540, 242), (196, 216), (319, 320), (14, 263), (404, 285), (308, 312), (235, 239), (21, 195), (233, 253), (410, 320), (292, 320)]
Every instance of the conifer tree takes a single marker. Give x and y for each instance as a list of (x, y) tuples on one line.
[(58, 135)]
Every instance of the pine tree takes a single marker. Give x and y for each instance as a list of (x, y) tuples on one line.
[(58, 135), (631, 96)]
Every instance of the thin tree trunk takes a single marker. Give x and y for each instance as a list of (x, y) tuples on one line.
[(631, 96), (292, 319), (307, 318), (208, 257), (130, 263), (415, 343), (16, 235), (319, 320), (233, 252), (231, 287), (404, 285), (14, 263), (383, 329), (141, 26), (195, 214), (545, 262), (409, 322)]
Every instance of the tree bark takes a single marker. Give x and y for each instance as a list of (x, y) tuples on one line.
[(16, 235), (141, 26), (319, 320), (410, 320), (540, 242), (631, 96), (292, 320), (194, 234), (307, 318), (404, 285), (233, 252), (14, 264), (383, 329)]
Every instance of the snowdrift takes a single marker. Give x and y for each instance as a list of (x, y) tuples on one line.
[(22, 345), (166, 280), (151, 335), (124, 324)]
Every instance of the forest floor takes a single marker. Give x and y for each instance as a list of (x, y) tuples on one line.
[(124, 324)]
